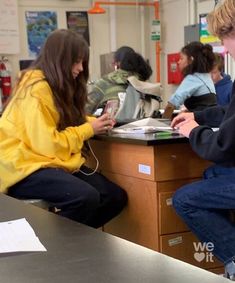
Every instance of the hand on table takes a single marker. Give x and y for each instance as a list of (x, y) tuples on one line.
[(184, 123)]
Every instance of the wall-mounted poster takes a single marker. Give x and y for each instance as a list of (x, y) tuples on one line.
[(78, 21), (206, 37), (9, 27), (39, 26)]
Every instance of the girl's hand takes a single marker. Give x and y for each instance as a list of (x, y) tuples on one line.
[(181, 119), (102, 124)]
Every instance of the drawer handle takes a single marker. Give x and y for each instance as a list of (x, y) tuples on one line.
[(175, 241), (169, 201)]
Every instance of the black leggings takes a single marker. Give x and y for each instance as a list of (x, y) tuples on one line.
[(92, 200)]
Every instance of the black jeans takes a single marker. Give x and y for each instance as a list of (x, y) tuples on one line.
[(92, 200)]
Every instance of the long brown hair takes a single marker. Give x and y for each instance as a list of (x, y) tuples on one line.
[(61, 50)]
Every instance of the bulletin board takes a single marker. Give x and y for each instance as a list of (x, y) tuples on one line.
[(9, 27), (206, 37), (78, 21)]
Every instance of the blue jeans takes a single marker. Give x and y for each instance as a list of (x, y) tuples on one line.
[(205, 206)]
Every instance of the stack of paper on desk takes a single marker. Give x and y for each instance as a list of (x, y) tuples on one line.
[(18, 236), (143, 126), (136, 130)]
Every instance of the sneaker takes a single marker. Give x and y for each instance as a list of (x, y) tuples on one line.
[(226, 275), (230, 270)]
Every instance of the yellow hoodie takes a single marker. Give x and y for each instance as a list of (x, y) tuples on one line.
[(29, 139)]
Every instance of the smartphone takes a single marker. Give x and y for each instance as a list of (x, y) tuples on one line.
[(111, 108)]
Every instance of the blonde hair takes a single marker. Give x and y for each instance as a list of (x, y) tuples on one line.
[(221, 21)]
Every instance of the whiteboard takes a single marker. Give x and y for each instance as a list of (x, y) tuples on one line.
[(9, 27)]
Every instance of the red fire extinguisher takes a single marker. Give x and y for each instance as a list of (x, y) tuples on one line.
[(5, 78)]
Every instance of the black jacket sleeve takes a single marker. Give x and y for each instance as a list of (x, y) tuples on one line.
[(211, 116), (218, 146)]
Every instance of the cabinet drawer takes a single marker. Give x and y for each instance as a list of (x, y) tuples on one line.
[(177, 161), (181, 246), (126, 159), (169, 221), (138, 222)]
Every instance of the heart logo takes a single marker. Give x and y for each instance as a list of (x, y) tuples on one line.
[(199, 256)]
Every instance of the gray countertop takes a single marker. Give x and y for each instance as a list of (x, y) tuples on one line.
[(76, 253)]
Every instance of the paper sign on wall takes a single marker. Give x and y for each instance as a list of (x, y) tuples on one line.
[(156, 30), (9, 27)]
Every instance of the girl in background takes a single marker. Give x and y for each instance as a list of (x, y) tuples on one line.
[(127, 63), (196, 91)]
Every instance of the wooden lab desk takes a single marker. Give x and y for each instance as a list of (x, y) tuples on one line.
[(151, 168), (77, 253)]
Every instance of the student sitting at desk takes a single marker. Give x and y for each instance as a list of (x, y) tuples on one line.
[(43, 131), (197, 90), (127, 63), (222, 81), (205, 205)]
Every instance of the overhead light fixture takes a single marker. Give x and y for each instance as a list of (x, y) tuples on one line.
[(96, 9)]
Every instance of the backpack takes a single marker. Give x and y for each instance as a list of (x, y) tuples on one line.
[(141, 100)]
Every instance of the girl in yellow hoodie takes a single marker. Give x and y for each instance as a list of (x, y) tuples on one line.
[(42, 134)]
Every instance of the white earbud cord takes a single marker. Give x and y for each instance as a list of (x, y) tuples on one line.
[(97, 162)]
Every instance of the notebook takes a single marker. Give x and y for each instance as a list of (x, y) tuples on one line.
[(144, 126)]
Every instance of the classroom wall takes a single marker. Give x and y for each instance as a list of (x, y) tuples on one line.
[(99, 40), (173, 36), (123, 26), (128, 26)]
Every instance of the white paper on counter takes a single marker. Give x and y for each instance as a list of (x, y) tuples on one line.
[(18, 236)]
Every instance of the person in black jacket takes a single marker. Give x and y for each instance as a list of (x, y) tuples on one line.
[(205, 205)]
